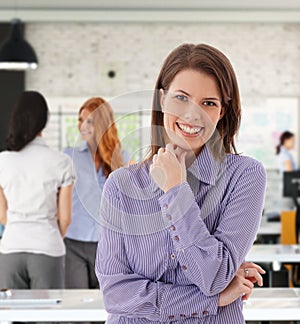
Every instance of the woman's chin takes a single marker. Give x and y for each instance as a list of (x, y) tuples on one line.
[(185, 146), (86, 138)]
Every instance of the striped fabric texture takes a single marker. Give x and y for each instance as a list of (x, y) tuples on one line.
[(165, 257)]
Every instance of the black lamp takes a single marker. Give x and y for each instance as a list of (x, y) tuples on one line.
[(16, 53)]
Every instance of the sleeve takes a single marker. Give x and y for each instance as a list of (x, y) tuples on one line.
[(67, 174), (130, 294), (1, 172), (68, 151), (3, 178), (211, 260)]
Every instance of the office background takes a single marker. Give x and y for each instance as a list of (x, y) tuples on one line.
[(111, 50), (116, 48), (76, 58)]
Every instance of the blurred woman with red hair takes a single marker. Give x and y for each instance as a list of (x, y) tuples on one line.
[(93, 160)]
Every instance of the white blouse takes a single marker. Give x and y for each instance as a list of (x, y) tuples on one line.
[(30, 180)]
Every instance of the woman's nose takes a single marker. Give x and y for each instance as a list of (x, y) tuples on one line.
[(192, 114), (84, 125)]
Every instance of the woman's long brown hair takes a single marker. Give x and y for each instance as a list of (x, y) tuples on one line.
[(106, 135)]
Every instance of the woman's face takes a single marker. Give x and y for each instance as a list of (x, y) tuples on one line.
[(86, 126), (192, 108), (290, 143)]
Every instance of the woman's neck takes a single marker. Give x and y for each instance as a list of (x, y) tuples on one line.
[(95, 155)]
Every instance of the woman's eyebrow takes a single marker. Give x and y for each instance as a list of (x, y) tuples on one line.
[(212, 98), (184, 92)]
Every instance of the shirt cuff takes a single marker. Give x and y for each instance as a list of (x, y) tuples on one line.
[(185, 302)]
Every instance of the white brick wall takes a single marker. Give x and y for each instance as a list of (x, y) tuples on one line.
[(75, 58)]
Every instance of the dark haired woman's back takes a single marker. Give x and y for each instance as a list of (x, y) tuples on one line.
[(36, 185)]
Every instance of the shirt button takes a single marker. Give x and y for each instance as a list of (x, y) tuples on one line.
[(176, 238), (205, 312), (171, 317), (183, 267), (165, 206), (173, 256), (195, 314), (169, 217), (182, 315), (172, 228)]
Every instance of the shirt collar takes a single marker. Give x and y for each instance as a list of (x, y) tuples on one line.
[(283, 149), (83, 147), (206, 168), (38, 140)]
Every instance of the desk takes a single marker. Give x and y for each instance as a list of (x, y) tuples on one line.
[(76, 305), (274, 252), (273, 304), (269, 228), (269, 304)]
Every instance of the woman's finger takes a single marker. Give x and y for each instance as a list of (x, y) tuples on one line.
[(248, 283), (246, 296), (161, 151), (247, 289), (254, 276), (253, 265), (170, 149)]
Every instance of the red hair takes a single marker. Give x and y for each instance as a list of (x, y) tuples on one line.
[(106, 135)]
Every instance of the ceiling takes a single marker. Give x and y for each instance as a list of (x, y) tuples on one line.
[(150, 4), (151, 10)]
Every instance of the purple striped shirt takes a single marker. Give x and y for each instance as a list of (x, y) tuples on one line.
[(165, 257)]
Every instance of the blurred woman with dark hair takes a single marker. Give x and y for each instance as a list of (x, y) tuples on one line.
[(283, 150), (286, 163), (98, 155), (35, 201)]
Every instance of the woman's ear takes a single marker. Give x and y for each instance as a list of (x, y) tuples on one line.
[(162, 98), (222, 113)]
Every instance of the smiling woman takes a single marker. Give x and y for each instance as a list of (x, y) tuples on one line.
[(182, 221), (191, 115), (94, 159)]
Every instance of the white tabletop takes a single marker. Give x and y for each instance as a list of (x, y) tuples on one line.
[(273, 304), (53, 305), (86, 305), (269, 228), (274, 252)]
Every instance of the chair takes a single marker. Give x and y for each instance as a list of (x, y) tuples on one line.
[(288, 227), (288, 236)]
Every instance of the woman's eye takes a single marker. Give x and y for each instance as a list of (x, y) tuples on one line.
[(209, 104), (181, 97)]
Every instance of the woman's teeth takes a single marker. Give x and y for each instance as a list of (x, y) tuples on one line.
[(189, 130)]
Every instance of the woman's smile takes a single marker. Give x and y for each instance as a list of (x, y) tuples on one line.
[(189, 130)]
